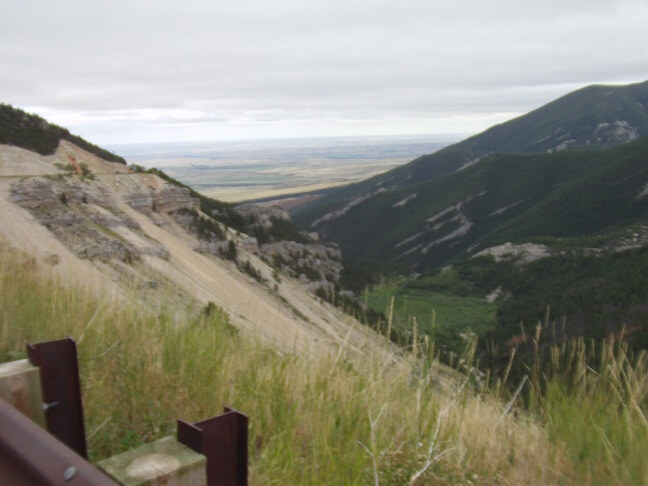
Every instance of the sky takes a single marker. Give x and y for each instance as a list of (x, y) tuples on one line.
[(151, 71)]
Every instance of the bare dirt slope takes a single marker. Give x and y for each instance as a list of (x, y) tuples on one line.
[(283, 313), (23, 231)]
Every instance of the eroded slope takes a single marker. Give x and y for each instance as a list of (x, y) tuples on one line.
[(125, 230)]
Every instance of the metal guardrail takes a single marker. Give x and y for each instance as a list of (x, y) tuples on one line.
[(30, 455)]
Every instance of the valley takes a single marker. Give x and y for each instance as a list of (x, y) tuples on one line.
[(446, 315), (324, 243), (437, 323), (497, 209)]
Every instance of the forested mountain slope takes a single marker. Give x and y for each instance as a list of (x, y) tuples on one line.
[(595, 116)]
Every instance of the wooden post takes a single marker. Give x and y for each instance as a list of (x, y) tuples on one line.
[(20, 386)]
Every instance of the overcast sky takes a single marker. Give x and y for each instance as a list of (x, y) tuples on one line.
[(147, 71)]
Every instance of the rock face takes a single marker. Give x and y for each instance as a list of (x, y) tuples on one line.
[(291, 251), (521, 253), (212, 247), (262, 214), (315, 264), (38, 192), (169, 199), (88, 213), (84, 215)]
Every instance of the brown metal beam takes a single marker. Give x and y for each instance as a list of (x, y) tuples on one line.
[(61, 387), (29, 456), (223, 440)]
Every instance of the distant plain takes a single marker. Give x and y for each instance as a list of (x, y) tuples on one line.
[(255, 169)]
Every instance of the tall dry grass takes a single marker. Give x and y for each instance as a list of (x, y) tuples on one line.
[(593, 398), (317, 419)]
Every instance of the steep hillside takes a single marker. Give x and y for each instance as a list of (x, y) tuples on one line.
[(504, 198), (328, 419), (592, 116), (130, 233)]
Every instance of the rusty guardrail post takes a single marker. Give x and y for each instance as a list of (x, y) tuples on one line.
[(61, 387), (223, 439), (30, 455)]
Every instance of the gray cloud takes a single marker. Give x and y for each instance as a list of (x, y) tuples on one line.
[(131, 70)]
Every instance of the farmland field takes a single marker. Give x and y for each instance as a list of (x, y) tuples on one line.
[(238, 171)]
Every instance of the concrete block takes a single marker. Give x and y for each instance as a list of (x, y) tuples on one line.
[(163, 462), (20, 385)]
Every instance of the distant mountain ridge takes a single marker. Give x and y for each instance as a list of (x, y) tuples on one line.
[(593, 116), (389, 216)]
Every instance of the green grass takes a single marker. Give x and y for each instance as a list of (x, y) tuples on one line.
[(441, 315), (594, 400), (328, 418)]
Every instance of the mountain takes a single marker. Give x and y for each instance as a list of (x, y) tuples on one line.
[(137, 233), (524, 232), (547, 211), (506, 197), (595, 116)]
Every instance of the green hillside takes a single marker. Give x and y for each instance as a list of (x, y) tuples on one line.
[(583, 207), (504, 198), (34, 133), (588, 209), (592, 116)]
